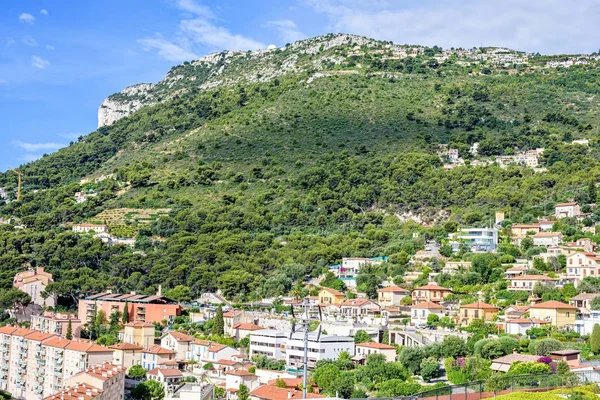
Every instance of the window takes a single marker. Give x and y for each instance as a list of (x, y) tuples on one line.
[(476, 313), (568, 314)]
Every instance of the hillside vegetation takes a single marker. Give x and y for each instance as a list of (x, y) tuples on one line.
[(269, 178)]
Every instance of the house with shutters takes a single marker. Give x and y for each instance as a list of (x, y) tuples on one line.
[(421, 311), (564, 210), (359, 307), (559, 314), (431, 292), (391, 296), (581, 265), (527, 282), (477, 310), (329, 296)]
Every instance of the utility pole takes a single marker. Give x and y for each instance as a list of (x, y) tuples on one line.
[(304, 322), (19, 183)]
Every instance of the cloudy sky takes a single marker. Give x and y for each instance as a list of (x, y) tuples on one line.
[(59, 59)]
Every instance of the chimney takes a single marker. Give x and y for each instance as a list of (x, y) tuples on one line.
[(159, 292), (289, 394)]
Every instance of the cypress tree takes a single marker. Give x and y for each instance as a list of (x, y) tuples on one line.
[(595, 339), (69, 334), (125, 317), (243, 392), (592, 192), (219, 323)]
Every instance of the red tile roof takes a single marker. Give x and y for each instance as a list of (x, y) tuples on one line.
[(81, 391), (248, 327), (268, 392), (479, 305), (358, 303), (393, 289), (289, 382), (553, 304), (126, 346), (139, 324), (432, 286), (231, 313), (332, 291), (103, 371), (572, 203), (428, 305), (533, 278), (373, 345), (167, 372), (240, 372), (216, 348), (7, 330), (181, 337), (156, 349)]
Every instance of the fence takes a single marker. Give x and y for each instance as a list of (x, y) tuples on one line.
[(522, 383)]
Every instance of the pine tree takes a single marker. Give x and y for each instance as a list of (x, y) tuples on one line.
[(595, 339), (69, 334), (125, 317), (219, 324)]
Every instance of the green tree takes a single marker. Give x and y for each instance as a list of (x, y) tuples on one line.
[(361, 336), (325, 375), (592, 192), (69, 334), (280, 383), (430, 369), (125, 315), (433, 319), (453, 346), (343, 385), (180, 293), (243, 392), (148, 390), (562, 367), (219, 323), (411, 358), (595, 339), (496, 383), (136, 372)]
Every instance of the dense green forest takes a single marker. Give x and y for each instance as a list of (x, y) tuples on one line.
[(268, 182)]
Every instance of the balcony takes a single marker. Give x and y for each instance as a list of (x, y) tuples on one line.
[(58, 374)]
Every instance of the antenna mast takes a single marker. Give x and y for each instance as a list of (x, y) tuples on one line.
[(304, 321)]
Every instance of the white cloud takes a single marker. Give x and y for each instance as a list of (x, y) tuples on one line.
[(39, 62), (44, 12), (198, 30), (534, 25), (26, 18), (29, 41), (49, 47), (9, 41), (31, 147), (205, 33), (288, 30), (195, 8), (166, 49)]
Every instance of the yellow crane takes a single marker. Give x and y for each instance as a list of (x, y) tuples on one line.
[(19, 184)]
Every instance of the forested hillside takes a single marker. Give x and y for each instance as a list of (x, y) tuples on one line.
[(268, 180)]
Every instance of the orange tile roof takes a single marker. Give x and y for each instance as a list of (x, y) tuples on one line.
[(225, 362), (553, 304), (428, 305), (169, 372), (432, 286), (248, 327), (289, 382), (103, 371), (547, 234), (57, 342), (373, 345), (267, 392), (156, 349), (572, 203), (7, 330), (181, 337), (82, 391), (518, 321), (231, 313), (393, 289), (23, 332), (358, 303), (479, 305), (39, 336), (533, 278), (126, 346), (216, 348), (86, 347), (139, 324), (332, 291)]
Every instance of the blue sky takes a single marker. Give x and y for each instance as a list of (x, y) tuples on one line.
[(59, 59)]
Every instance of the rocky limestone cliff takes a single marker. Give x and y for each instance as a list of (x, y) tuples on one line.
[(124, 103), (230, 68)]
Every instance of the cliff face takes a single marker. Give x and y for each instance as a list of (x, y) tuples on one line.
[(124, 103), (230, 68)]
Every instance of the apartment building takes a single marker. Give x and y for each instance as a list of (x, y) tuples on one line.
[(581, 265), (126, 355), (563, 210), (290, 347), (179, 342), (139, 333), (35, 364), (33, 282), (109, 379), (156, 356), (431, 292), (141, 308), (56, 323), (476, 239), (527, 282), (85, 228)]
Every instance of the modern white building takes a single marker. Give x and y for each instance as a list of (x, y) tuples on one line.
[(326, 347), (547, 239), (280, 346), (477, 239), (268, 342)]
